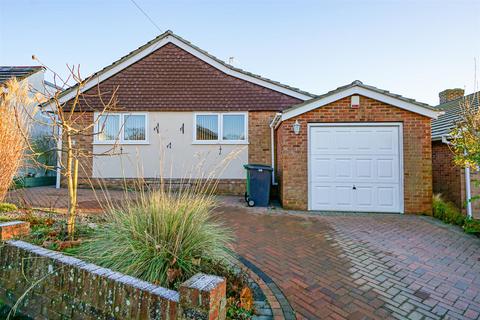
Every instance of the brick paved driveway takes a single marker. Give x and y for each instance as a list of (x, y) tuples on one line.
[(347, 266), (364, 266)]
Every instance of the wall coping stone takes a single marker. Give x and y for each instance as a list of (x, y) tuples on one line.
[(100, 271), (158, 302), (10, 223), (12, 229)]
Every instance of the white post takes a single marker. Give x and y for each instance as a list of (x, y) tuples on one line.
[(468, 192), (59, 157), (272, 146)]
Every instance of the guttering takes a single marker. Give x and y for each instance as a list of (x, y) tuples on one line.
[(274, 125), (468, 189)]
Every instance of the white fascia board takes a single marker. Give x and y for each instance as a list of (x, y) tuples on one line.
[(364, 92), (170, 39)]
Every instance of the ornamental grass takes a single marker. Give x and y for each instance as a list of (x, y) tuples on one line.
[(162, 236), (14, 100)]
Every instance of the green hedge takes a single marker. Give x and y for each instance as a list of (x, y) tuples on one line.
[(449, 213)]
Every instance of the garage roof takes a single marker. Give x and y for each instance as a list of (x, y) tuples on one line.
[(357, 87)]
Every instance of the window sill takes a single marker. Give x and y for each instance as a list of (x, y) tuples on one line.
[(220, 142), (97, 143)]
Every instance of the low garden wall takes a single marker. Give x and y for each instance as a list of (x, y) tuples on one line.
[(49, 285)]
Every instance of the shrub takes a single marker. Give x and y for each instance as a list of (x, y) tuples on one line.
[(44, 156), (447, 211), (472, 226), (7, 207), (162, 237)]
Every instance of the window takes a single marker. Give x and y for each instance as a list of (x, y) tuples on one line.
[(108, 127), (233, 127), (122, 128), (220, 128), (134, 127), (207, 127)]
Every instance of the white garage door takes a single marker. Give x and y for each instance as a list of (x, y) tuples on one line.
[(355, 168)]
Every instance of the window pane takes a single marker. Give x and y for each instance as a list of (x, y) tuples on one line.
[(108, 127), (233, 127), (134, 128), (207, 127)]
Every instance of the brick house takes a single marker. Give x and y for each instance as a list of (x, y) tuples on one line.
[(184, 113), (450, 180)]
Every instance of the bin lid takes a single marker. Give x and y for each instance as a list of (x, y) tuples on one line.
[(254, 166)]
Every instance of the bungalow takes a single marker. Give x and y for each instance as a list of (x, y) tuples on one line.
[(185, 112), (34, 78)]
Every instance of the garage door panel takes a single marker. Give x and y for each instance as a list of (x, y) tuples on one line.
[(343, 167), (323, 195), (320, 142), (343, 196), (387, 140), (386, 168), (364, 196), (364, 168), (355, 168), (343, 141), (386, 196)]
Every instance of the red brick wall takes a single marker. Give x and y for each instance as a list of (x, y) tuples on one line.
[(83, 143), (171, 79), (447, 178), (222, 186), (63, 294), (259, 148), (292, 150)]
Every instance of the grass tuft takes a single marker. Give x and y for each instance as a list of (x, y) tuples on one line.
[(7, 207), (162, 237)]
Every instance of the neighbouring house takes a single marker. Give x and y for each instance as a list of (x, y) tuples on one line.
[(34, 76), (186, 113), (450, 180)]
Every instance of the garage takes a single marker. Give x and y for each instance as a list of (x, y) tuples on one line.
[(357, 148), (355, 167)]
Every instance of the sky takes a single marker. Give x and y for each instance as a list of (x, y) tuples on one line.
[(412, 48)]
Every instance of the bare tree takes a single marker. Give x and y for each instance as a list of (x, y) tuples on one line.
[(72, 121)]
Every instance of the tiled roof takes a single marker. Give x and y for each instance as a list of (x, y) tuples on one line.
[(358, 83), (19, 72), (172, 79), (170, 33), (444, 124)]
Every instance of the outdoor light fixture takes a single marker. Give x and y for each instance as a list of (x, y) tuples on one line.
[(296, 127)]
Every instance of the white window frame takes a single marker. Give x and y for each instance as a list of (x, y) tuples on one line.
[(220, 116), (121, 139)]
